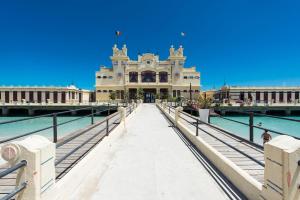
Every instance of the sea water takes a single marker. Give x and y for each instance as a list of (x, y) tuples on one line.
[(22, 127), (280, 125)]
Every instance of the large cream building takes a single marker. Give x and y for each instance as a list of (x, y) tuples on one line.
[(165, 77)]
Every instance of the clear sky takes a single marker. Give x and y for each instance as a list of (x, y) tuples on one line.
[(242, 42)]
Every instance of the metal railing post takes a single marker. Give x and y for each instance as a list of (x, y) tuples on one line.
[(108, 109), (197, 129), (54, 128), (251, 126), (169, 109), (130, 109), (107, 127), (92, 116)]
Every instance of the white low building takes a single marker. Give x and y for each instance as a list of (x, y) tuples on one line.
[(261, 94), (43, 94)]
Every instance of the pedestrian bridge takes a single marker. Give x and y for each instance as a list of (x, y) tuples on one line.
[(158, 152)]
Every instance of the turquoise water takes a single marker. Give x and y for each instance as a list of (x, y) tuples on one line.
[(18, 128), (284, 126)]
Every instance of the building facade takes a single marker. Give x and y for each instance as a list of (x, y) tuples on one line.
[(266, 95), (43, 95), (166, 78)]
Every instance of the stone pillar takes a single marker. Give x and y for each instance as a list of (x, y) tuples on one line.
[(35, 97), (10, 96), (67, 97), (19, 97), (2, 96), (177, 114), (281, 177), (44, 97), (58, 97), (277, 97), (39, 172), (30, 112), (5, 111), (253, 97), (285, 97), (122, 113), (27, 96), (293, 97), (51, 97), (270, 98)]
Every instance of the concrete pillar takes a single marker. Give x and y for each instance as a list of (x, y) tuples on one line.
[(277, 97), (10, 96), (270, 97), (27, 96), (253, 97), (39, 172), (35, 97), (51, 97), (19, 97), (30, 112), (5, 111), (293, 97), (177, 114), (2, 96), (59, 97), (285, 100), (281, 177), (122, 113), (44, 97)]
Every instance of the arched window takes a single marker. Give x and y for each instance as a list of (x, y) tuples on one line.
[(133, 77), (148, 76), (163, 77)]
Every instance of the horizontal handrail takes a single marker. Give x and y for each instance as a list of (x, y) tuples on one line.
[(48, 115), (21, 164), (15, 191), (49, 127)]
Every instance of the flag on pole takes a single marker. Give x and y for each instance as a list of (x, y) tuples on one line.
[(182, 34), (118, 33)]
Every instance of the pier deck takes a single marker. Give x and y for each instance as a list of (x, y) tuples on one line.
[(246, 156), (146, 160)]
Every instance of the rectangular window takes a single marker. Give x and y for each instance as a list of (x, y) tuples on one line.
[(6, 96), (266, 97), (242, 96), (63, 97), (15, 96), (39, 96), (55, 97), (174, 93), (297, 95), (31, 96), (23, 95), (280, 97), (47, 95), (258, 96), (289, 97)]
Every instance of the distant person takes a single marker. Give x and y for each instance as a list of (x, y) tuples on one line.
[(266, 136)]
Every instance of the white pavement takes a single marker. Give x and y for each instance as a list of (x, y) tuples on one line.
[(150, 161)]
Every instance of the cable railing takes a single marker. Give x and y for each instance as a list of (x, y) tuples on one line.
[(252, 126), (198, 122), (8, 171), (55, 124)]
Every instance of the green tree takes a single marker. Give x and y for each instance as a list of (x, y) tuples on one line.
[(112, 95), (140, 93), (204, 102)]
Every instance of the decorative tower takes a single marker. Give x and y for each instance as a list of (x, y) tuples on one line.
[(119, 62), (177, 62)]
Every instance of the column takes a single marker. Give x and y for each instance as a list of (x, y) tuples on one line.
[(277, 97), (293, 97), (253, 97), (270, 97), (58, 97), (27, 96), (51, 97), (10, 96), (285, 97), (44, 97), (2, 96), (19, 96), (35, 99), (139, 77)]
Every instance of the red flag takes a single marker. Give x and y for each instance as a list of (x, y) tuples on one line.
[(118, 33)]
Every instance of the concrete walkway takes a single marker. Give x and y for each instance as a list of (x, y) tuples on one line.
[(148, 161)]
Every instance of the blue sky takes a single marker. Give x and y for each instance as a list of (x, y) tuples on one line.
[(242, 42)]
